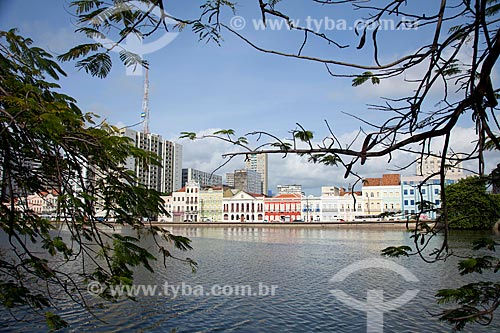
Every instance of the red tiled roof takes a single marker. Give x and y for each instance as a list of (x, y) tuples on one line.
[(391, 179), (372, 182), (288, 195)]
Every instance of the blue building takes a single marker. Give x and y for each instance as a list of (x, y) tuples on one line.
[(424, 198)]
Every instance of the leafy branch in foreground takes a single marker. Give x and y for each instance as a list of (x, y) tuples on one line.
[(476, 301), (49, 146)]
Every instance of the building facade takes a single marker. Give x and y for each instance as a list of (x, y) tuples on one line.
[(239, 206), (283, 208), (185, 203), (248, 181), (382, 195), (289, 189), (168, 204), (259, 164), (339, 205), (211, 203), (166, 177), (43, 204), (203, 178), (311, 208), (230, 179), (431, 165)]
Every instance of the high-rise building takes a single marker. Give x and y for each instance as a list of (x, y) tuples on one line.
[(230, 179), (166, 177), (430, 165), (248, 181), (203, 178), (289, 189), (258, 163)]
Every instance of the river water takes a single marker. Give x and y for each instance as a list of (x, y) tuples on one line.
[(284, 280)]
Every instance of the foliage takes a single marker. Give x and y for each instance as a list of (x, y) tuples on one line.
[(476, 302), (470, 206), (49, 146)]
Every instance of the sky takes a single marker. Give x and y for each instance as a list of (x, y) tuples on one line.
[(201, 87)]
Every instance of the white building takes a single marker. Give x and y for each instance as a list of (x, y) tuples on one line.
[(259, 163), (240, 206), (203, 178), (311, 208), (339, 205), (166, 177), (185, 203), (230, 179), (168, 204), (289, 189), (430, 165)]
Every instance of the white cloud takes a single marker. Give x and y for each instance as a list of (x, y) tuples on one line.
[(55, 40), (207, 154)]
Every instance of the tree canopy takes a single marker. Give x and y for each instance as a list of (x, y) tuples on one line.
[(470, 206), (49, 146)]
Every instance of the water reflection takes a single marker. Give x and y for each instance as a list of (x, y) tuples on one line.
[(300, 261)]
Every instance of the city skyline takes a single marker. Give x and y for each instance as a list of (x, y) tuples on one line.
[(235, 87)]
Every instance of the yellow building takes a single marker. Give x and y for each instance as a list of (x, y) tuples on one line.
[(210, 208)]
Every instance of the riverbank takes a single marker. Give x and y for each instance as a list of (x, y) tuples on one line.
[(401, 225)]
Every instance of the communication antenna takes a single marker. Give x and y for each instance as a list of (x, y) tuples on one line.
[(145, 105)]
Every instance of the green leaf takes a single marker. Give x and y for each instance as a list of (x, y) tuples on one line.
[(188, 135), (55, 322), (359, 80), (396, 251), (97, 65), (304, 135), (131, 59), (475, 265), (224, 132), (242, 140), (79, 51)]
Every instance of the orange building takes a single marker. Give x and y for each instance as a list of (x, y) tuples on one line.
[(283, 208)]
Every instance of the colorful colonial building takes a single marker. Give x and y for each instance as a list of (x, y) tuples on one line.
[(283, 208)]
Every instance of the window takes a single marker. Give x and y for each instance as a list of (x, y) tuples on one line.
[(405, 192), (423, 191), (412, 192), (438, 202), (406, 202), (412, 202)]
